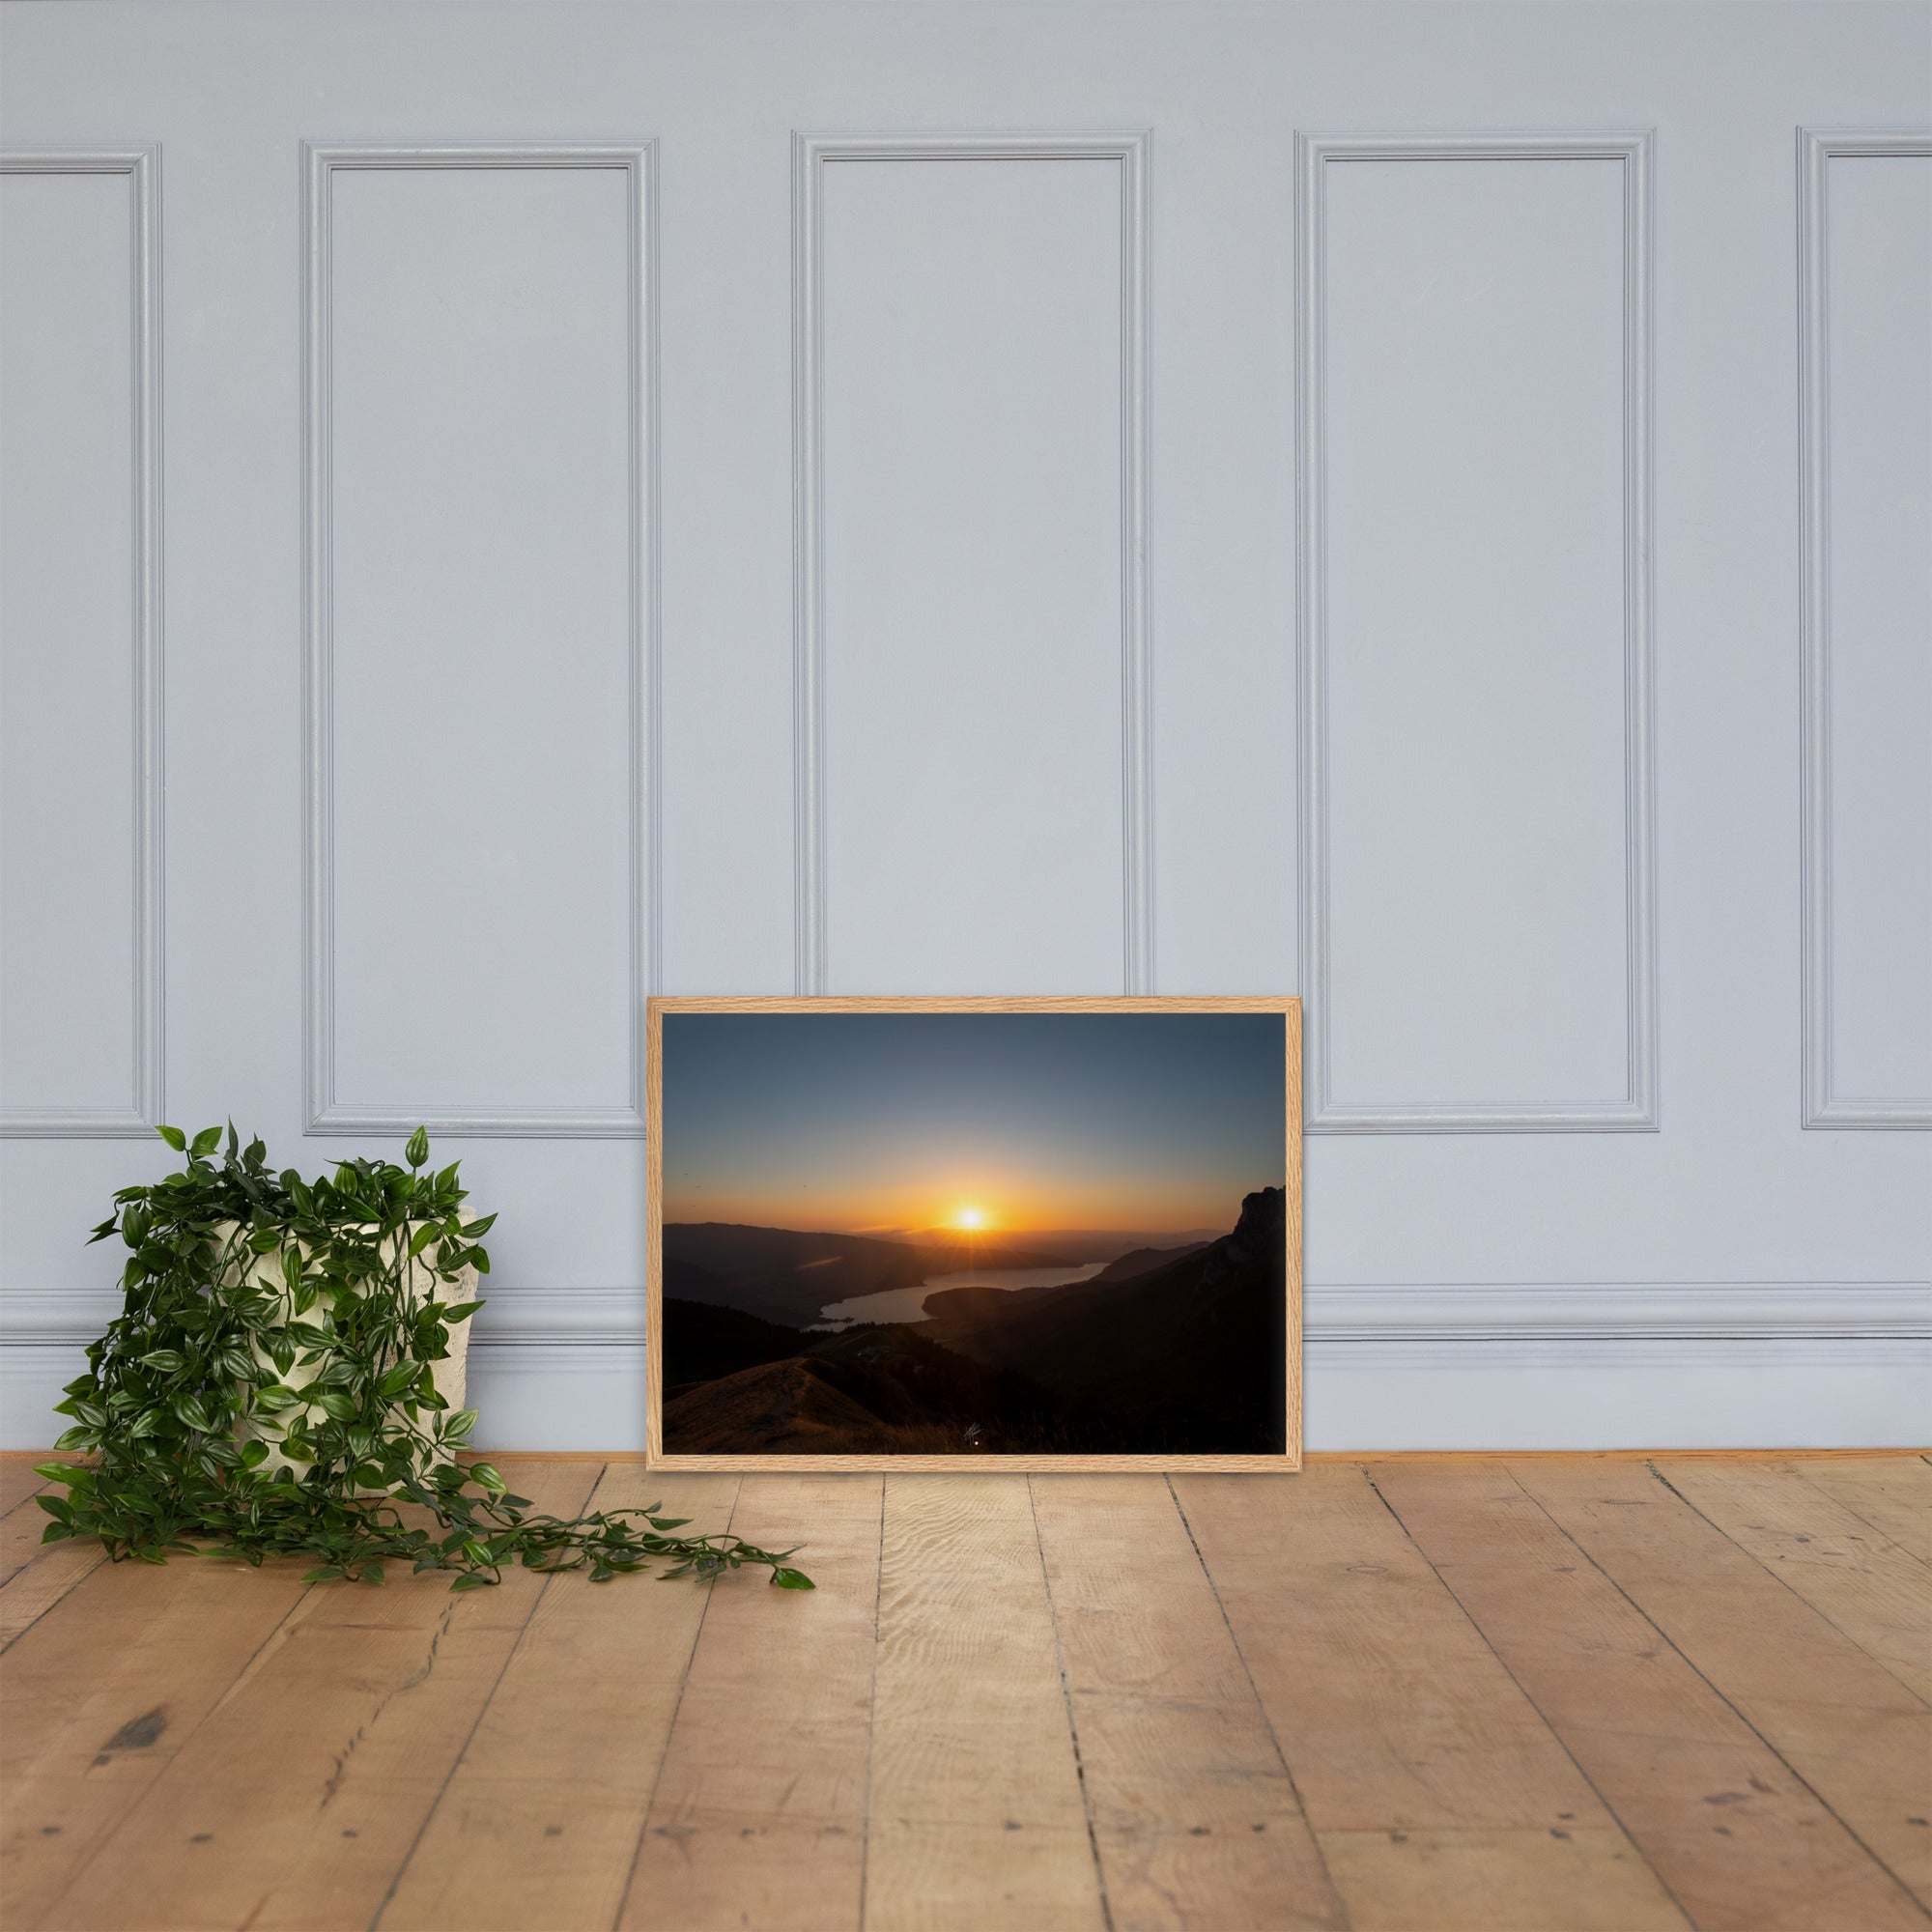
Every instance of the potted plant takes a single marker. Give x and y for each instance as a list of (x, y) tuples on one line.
[(286, 1378)]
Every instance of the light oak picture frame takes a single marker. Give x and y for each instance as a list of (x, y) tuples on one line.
[(755, 1460)]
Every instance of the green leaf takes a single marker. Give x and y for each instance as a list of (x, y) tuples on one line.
[(792, 1580), (181, 1411), (174, 1137)]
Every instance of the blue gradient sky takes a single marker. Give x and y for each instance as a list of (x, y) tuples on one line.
[(884, 1121)]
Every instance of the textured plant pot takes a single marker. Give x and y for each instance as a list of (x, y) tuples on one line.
[(449, 1375)]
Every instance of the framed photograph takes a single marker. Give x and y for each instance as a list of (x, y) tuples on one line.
[(935, 1233)]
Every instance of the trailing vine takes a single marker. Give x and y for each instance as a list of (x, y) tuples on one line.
[(269, 1387)]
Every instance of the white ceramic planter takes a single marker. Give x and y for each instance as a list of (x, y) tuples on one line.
[(449, 1375)]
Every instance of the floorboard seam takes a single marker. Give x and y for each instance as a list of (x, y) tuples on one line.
[(1561, 1742), (469, 1736), (141, 1797), (1072, 1725), (1851, 1509), (1878, 1662), (46, 1609), (1260, 1705), (1798, 1776), (671, 1730), (872, 1711), (38, 1490)]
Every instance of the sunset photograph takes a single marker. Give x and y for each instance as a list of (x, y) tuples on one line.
[(1014, 1233)]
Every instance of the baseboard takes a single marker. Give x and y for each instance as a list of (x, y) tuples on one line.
[(1538, 1365)]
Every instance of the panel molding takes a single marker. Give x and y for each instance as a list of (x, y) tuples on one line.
[(1798, 1315), (1823, 1106), (1638, 1110), (1387, 1366), (812, 155), (324, 1112), (142, 165)]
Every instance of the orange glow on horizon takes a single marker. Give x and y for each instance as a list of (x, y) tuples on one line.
[(1003, 1205)]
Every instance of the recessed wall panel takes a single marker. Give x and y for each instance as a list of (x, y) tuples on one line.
[(1477, 885), (78, 1006), (1877, 639), (974, 411), (481, 631)]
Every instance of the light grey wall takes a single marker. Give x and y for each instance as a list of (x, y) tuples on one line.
[(504, 507)]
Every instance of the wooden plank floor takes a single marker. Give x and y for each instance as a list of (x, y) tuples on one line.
[(1418, 1695)]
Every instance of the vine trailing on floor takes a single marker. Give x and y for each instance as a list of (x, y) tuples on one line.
[(269, 1387)]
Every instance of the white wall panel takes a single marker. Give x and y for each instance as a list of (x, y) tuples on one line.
[(1476, 776), (950, 485), (80, 958), (479, 663), (971, 537), (1868, 372)]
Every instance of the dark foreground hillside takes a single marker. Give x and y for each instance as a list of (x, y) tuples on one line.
[(1186, 1357)]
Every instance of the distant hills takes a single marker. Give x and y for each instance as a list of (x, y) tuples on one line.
[(788, 1277), (1141, 1260), (1176, 1350), (785, 1276)]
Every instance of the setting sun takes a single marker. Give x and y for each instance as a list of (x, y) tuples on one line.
[(970, 1217)]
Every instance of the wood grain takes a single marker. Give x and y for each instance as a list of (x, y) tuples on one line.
[(538, 1818), (976, 1801), (1854, 1576), (759, 1813), (1438, 1795), (1738, 1839), (295, 1802), (99, 1697), (18, 1482), (1842, 1723), (1021, 1704), (1894, 1498), (35, 1575), (47, 1572), (22, 1528), (1189, 1792)]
